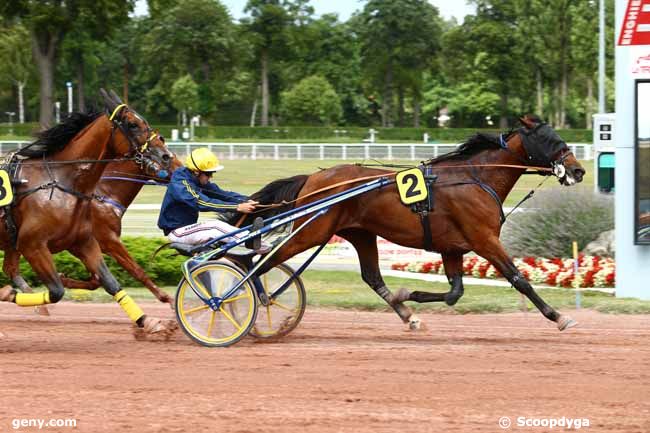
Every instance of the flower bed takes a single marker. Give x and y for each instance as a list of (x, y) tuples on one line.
[(593, 271)]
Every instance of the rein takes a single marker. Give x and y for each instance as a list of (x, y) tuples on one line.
[(134, 180), (390, 174), (76, 161)]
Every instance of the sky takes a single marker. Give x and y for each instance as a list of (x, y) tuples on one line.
[(344, 8)]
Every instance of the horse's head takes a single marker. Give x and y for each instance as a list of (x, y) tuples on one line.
[(545, 148), (160, 152), (157, 160), (134, 138)]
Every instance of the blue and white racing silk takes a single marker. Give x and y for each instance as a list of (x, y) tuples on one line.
[(185, 198)]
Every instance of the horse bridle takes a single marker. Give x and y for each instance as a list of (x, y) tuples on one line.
[(555, 161), (137, 152)]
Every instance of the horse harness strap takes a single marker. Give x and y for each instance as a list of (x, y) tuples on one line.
[(487, 188), (425, 207), (105, 199), (55, 184)]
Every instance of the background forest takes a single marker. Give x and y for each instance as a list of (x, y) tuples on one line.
[(392, 63)]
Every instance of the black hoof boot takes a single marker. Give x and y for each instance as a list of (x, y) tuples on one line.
[(452, 297)]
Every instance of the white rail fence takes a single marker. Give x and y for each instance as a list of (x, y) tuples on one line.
[(297, 151)]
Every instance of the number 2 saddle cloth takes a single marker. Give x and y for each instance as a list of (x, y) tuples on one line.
[(8, 166)]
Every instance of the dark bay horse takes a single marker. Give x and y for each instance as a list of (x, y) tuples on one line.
[(52, 209), (113, 195), (472, 183)]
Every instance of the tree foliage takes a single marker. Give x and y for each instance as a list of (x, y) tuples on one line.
[(395, 62), (185, 94), (313, 101)]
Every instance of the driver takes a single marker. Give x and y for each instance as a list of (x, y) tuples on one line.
[(189, 192)]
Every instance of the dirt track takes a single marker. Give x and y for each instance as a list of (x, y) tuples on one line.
[(338, 372)]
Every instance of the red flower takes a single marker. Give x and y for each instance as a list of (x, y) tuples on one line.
[(530, 261), (588, 279), (483, 268), (551, 278)]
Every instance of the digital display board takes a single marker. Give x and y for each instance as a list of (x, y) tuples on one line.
[(642, 156)]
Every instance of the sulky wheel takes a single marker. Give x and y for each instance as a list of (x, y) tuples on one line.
[(235, 316), (285, 311)]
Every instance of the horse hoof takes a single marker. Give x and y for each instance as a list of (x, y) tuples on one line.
[(414, 323), (565, 322), (41, 310), (7, 294), (156, 330)]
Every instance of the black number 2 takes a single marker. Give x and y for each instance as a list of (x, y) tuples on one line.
[(411, 191)]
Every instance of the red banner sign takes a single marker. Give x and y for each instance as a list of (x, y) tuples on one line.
[(636, 24)]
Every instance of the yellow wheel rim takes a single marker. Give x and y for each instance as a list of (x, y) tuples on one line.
[(284, 312), (235, 316)]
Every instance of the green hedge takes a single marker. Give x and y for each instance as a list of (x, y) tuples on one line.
[(353, 134), (164, 269)]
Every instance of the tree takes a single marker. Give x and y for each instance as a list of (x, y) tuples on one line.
[(398, 38), (50, 21), (185, 96), (16, 65), (330, 49), (584, 52), (488, 47), (269, 22), (312, 101), (199, 39)]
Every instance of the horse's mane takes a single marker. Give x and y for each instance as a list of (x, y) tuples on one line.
[(56, 138), (475, 144), (286, 189)]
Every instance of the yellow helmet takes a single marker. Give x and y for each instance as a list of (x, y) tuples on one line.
[(203, 160)]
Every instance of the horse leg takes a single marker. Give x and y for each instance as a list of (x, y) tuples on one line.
[(91, 284), (11, 268), (494, 252), (118, 251), (91, 256), (366, 245), (454, 270), (40, 258)]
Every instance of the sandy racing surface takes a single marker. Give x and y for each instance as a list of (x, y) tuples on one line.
[(340, 371)]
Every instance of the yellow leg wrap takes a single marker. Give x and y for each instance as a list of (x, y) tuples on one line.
[(128, 305), (32, 299)]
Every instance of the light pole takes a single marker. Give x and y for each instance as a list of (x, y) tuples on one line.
[(11, 115), (69, 86), (601, 58)]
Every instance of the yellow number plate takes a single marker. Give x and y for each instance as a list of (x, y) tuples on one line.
[(6, 194), (411, 186)]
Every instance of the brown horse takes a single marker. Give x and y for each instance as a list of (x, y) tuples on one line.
[(467, 216), (52, 209), (112, 198)]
